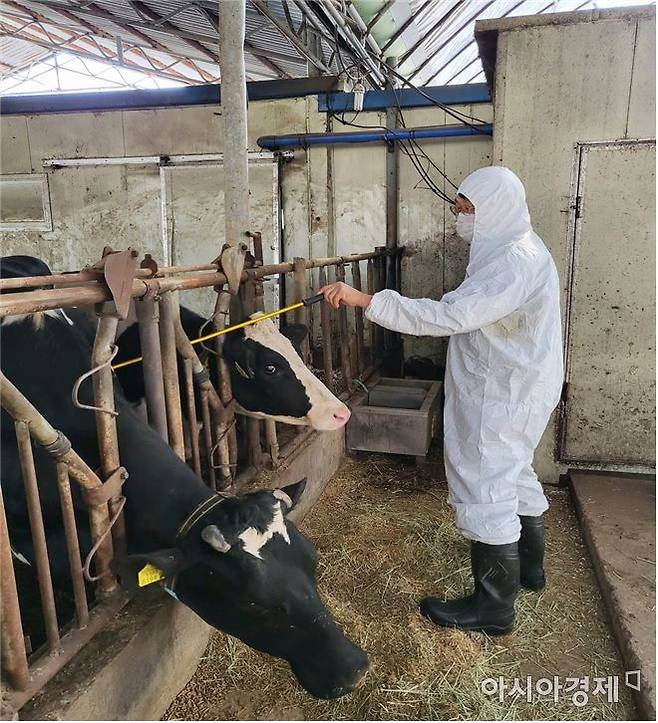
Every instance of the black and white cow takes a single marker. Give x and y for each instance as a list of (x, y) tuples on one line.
[(241, 564), (268, 376)]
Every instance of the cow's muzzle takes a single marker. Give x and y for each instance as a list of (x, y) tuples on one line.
[(332, 676)]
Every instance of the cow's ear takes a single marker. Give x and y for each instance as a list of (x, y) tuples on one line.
[(296, 333), (239, 355), (294, 492), (135, 571)]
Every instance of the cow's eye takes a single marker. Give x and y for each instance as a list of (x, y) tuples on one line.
[(270, 369)]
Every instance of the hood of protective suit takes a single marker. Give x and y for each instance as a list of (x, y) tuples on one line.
[(501, 213)]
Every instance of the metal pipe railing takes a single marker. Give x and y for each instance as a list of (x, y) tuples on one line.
[(72, 544), (106, 424), (170, 374), (38, 534), (212, 445), (14, 655), (148, 317), (96, 292)]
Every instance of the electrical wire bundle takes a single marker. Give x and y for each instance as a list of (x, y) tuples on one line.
[(411, 148)]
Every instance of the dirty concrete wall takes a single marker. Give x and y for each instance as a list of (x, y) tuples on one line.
[(584, 80), (333, 201)]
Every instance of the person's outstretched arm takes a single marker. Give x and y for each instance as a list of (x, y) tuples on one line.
[(492, 293)]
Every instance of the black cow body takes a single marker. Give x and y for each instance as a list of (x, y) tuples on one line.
[(242, 566), (131, 377)]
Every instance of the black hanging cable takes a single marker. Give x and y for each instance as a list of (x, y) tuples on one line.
[(406, 146), (418, 147)]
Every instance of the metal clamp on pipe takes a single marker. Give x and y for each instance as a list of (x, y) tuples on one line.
[(109, 489), (60, 447), (200, 377)]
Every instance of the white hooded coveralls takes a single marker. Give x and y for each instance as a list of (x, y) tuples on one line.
[(504, 368)]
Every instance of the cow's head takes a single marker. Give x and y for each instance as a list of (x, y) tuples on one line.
[(269, 378), (246, 569)]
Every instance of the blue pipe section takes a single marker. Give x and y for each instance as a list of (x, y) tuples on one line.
[(464, 94), (305, 140)]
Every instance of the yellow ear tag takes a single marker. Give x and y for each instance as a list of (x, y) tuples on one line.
[(148, 575)]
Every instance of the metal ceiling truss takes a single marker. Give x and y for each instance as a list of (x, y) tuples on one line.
[(91, 42), (178, 39)]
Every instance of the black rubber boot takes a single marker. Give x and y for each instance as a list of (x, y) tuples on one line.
[(531, 553), (490, 609)]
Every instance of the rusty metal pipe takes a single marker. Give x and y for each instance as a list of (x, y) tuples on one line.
[(358, 320), (370, 288), (72, 545), (248, 299), (170, 374), (21, 409), (37, 530), (191, 417), (219, 416), (149, 338), (96, 292), (207, 438), (272, 441), (26, 282), (343, 330), (47, 666), (14, 656), (220, 319), (299, 293), (325, 326), (106, 423)]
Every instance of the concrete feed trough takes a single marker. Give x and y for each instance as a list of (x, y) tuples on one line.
[(397, 416)]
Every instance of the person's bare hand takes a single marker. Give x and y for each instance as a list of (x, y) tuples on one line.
[(341, 293)]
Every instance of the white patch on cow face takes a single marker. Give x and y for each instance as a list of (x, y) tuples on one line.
[(253, 540), (327, 412)]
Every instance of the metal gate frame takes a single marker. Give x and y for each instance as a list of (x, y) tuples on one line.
[(578, 176), (351, 353)]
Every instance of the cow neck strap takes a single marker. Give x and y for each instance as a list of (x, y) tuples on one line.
[(199, 512)]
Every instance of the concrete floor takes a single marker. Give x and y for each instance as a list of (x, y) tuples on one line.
[(618, 518)]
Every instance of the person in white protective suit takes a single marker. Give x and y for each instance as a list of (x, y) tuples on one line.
[(503, 379)]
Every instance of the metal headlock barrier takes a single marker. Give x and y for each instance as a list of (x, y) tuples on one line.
[(339, 348)]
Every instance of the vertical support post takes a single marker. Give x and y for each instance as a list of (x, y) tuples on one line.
[(392, 184), (236, 176), (379, 284), (170, 374), (14, 656), (271, 438), (272, 441), (106, 424), (358, 321), (345, 346), (38, 535), (149, 337), (299, 293), (248, 298), (392, 340), (72, 544), (370, 289), (325, 326), (220, 318), (234, 115), (191, 417), (207, 438)]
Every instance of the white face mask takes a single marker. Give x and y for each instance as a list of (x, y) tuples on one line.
[(465, 226)]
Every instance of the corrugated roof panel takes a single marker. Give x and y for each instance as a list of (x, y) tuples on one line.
[(441, 54)]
